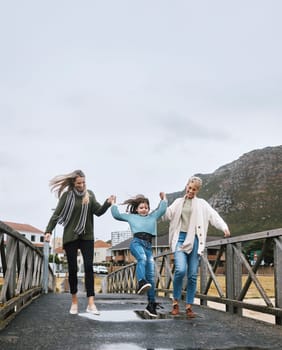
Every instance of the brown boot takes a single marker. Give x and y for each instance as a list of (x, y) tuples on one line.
[(190, 313), (175, 309)]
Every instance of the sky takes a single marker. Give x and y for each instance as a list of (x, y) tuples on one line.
[(140, 95)]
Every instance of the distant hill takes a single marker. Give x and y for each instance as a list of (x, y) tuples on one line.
[(247, 192)]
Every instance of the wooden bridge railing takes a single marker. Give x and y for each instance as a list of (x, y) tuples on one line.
[(22, 269), (234, 292)]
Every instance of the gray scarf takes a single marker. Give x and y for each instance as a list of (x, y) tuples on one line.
[(67, 210)]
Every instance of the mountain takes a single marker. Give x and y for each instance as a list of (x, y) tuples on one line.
[(247, 193)]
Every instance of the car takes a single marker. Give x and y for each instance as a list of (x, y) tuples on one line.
[(102, 269)]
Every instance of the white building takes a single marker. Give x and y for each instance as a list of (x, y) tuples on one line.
[(101, 250), (33, 234), (120, 236)]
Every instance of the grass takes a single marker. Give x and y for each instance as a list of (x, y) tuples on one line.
[(98, 284), (266, 281)]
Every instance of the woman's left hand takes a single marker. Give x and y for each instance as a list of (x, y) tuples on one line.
[(112, 199), (227, 233)]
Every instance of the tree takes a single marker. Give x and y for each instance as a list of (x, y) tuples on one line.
[(57, 259)]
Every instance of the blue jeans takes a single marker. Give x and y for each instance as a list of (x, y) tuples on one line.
[(185, 264), (145, 269)]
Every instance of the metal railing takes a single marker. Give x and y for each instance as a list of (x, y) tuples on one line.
[(24, 273), (236, 265)]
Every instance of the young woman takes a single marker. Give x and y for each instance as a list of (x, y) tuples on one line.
[(75, 211), (143, 226), (189, 219)]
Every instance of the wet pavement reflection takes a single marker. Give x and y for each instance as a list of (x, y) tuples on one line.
[(129, 315)]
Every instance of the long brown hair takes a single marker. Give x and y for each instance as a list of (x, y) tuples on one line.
[(60, 183), (133, 203)]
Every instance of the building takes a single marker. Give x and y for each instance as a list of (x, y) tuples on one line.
[(120, 236), (101, 251), (121, 253), (33, 234)]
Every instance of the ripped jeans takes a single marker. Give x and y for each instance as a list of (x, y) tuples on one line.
[(185, 264), (145, 269)]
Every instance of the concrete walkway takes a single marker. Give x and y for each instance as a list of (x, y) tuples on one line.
[(47, 324)]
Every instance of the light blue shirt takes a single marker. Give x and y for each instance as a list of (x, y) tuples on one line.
[(139, 223)]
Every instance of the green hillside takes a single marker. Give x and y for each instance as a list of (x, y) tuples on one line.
[(247, 192)]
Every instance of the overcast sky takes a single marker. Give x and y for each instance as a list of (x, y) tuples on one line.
[(138, 94)]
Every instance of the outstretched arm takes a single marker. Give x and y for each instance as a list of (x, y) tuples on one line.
[(117, 215)]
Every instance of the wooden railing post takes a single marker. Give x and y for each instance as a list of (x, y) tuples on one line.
[(229, 276), (237, 267), (45, 267), (278, 276), (11, 267), (233, 276), (203, 277)]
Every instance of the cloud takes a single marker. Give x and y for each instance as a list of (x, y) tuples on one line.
[(184, 135), (137, 99)]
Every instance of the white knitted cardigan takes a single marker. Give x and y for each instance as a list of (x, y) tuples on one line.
[(202, 215)]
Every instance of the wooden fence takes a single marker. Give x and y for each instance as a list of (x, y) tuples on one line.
[(233, 295), (24, 273)]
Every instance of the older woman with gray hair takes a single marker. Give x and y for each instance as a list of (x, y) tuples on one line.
[(189, 219)]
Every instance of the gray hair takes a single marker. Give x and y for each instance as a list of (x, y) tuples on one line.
[(196, 180)]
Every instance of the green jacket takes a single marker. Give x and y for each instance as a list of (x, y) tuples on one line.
[(93, 208)]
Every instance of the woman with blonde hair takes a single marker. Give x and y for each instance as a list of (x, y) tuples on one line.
[(75, 211)]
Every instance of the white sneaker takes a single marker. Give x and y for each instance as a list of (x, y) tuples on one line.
[(92, 310), (74, 309)]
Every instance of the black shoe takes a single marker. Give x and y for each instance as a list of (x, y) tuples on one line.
[(151, 309), (143, 286)]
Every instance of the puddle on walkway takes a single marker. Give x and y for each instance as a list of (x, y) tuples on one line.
[(113, 316), (131, 315), (122, 316), (121, 346)]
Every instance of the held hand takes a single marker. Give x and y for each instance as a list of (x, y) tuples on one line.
[(162, 195), (226, 233), (47, 237), (112, 199)]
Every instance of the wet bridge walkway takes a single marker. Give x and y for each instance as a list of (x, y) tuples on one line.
[(46, 324)]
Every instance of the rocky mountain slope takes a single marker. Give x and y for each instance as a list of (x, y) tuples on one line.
[(246, 192)]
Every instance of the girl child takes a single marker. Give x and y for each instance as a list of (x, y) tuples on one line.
[(143, 224)]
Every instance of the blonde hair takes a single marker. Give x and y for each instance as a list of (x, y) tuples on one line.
[(195, 179), (62, 183)]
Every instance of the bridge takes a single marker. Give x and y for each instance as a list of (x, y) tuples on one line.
[(46, 324)]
